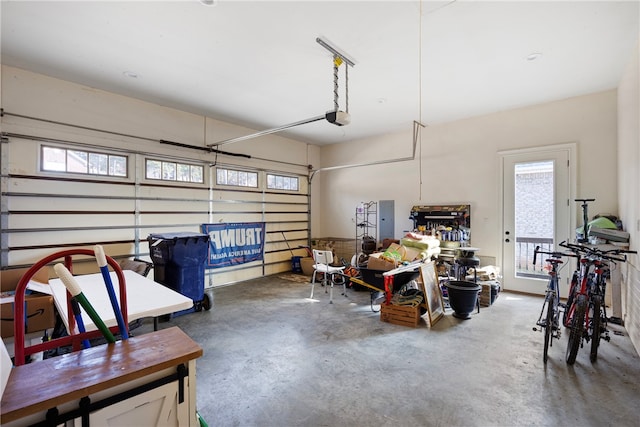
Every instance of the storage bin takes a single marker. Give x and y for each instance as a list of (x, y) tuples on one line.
[(179, 261), (296, 266)]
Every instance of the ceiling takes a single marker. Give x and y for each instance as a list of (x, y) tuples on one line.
[(257, 63)]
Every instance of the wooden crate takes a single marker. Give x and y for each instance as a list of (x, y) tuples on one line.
[(400, 314)]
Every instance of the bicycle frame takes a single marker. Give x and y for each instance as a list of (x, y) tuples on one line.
[(575, 283), (552, 293), (582, 286), (600, 274), (550, 313), (597, 327)]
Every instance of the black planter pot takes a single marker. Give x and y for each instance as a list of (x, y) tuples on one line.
[(463, 297)]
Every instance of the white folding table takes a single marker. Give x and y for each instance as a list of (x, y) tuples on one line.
[(145, 298)]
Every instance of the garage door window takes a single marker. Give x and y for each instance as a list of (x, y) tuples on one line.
[(58, 159)]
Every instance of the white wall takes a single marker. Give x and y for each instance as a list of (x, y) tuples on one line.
[(52, 99), (629, 188), (458, 163)]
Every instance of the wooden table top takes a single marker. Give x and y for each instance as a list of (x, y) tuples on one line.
[(41, 385)]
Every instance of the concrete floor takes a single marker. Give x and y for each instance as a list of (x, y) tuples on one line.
[(272, 357)]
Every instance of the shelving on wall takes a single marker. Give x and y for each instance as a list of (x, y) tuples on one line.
[(366, 227)]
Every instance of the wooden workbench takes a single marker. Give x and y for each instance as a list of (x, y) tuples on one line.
[(102, 372)]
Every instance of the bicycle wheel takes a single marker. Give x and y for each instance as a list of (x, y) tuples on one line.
[(577, 329), (595, 327), (548, 328)]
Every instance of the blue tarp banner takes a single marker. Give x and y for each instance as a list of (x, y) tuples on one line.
[(234, 243)]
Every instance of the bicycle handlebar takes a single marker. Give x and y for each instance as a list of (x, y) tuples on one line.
[(605, 254), (553, 254)]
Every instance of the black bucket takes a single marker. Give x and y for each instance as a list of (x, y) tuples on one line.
[(463, 297)]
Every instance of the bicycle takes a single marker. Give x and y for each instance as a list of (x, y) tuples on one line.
[(576, 274), (548, 319), (587, 314)]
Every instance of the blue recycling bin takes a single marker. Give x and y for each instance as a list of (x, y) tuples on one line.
[(296, 266), (179, 264)]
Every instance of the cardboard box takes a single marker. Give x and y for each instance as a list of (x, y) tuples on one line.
[(9, 278), (39, 310), (411, 254), (39, 314), (307, 265), (489, 293), (377, 263), (407, 253)]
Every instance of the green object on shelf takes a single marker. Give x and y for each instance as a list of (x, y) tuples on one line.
[(600, 222)]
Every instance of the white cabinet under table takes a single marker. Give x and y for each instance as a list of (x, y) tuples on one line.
[(145, 380)]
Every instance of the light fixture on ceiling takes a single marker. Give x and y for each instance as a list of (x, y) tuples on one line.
[(335, 116), (533, 56), (131, 74), (208, 2)]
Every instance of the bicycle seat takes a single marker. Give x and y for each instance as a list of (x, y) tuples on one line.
[(554, 260)]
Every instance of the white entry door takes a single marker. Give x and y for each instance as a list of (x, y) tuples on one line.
[(536, 185)]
